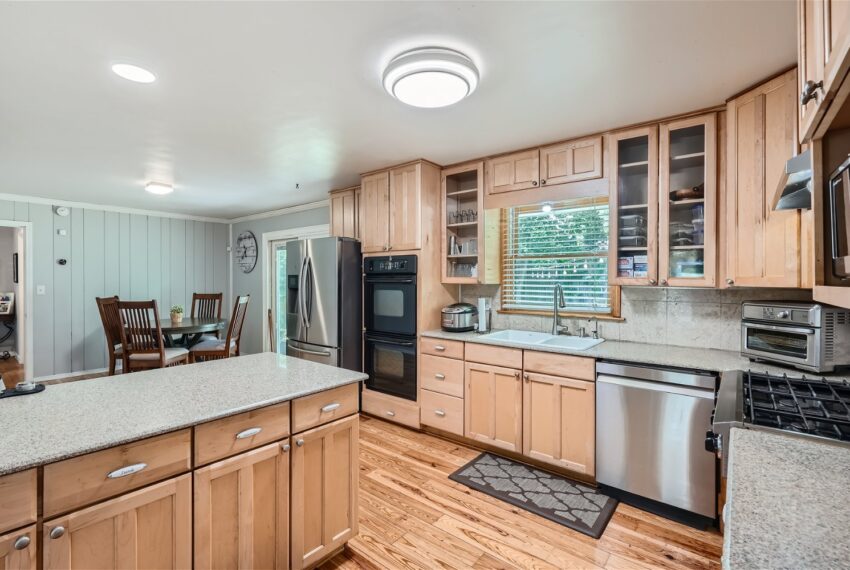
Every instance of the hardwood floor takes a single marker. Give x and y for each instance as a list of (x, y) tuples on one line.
[(412, 516), (12, 372)]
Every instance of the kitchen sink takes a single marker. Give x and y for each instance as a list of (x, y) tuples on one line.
[(531, 338)]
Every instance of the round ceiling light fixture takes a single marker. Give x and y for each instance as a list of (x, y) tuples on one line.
[(430, 77), (133, 73), (159, 188)]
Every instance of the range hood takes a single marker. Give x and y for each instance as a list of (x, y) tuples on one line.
[(795, 187)]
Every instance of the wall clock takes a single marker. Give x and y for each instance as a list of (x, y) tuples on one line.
[(246, 252)]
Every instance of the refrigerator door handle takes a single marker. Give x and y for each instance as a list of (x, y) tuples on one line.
[(305, 351), (308, 301), (301, 293)]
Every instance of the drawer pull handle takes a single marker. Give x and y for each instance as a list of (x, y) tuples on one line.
[(330, 407), (250, 432), (439, 376), (22, 542), (439, 347), (391, 413), (124, 471), (440, 413), (57, 532)]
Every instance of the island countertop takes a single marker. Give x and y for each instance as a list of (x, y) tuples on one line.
[(787, 502), (88, 415)]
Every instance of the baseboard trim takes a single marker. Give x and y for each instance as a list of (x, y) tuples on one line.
[(58, 378)]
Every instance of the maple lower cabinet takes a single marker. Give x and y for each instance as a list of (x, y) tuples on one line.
[(493, 405), (763, 245), (242, 510), (18, 549), (148, 528), (559, 425), (375, 212), (324, 473), (345, 213)]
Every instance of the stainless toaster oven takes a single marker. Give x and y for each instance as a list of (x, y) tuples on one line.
[(808, 336)]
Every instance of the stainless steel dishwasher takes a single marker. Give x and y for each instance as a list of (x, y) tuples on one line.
[(651, 425)]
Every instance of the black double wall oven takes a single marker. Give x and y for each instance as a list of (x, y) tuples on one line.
[(389, 287)]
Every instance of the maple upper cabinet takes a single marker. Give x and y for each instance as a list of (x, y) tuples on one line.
[(242, 510), (324, 490), (823, 56), (517, 171), (571, 161), (18, 549), (493, 405), (687, 202), (559, 421), (375, 212), (345, 212), (405, 208), (763, 246), (148, 528)]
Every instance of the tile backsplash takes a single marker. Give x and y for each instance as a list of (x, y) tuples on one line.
[(706, 318)]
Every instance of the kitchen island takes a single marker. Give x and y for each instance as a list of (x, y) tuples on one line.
[(251, 459)]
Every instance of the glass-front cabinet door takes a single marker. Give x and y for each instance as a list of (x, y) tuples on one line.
[(633, 258), (687, 200)]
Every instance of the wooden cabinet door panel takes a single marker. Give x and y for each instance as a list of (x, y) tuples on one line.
[(16, 553), (810, 60), (344, 214), (405, 208), (375, 212), (149, 528), (571, 161), (763, 245), (836, 43), (242, 510), (324, 490), (493, 405), (518, 171), (559, 421)]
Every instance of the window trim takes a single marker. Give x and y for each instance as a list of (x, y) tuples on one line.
[(614, 291)]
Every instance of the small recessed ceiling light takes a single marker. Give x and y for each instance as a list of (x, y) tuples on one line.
[(159, 188), (430, 77), (133, 73)]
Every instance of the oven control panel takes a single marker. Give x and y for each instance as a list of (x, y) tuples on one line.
[(390, 265), (791, 313)]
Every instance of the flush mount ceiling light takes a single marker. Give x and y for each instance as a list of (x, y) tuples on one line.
[(430, 77), (159, 188), (133, 73)]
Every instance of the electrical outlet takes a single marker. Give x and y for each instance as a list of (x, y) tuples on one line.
[(41, 289)]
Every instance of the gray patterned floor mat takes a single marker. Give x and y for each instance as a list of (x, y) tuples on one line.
[(557, 498)]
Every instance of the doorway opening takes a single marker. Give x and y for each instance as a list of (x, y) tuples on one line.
[(16, 338)]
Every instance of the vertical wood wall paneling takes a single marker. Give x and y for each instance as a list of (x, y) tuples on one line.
[(59, 290), (94, 271), (124, 260), (22, 212), (189, 266), (221, 261), (165, 267), (76, 263), (7, 210), (200, 270), (178, 263), (154, 267), (138, 258), (209, 277), (43, 260), (111, 253)]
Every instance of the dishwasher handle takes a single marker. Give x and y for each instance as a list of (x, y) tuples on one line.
[(656, 386)]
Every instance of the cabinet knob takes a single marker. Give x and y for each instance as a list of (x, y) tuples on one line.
[(809, 92), (299, 442), (664, 282), (516, 375), (525, 376), (542, 182), (285, 447), (653, 282), (57, 532), (730, 281), (534, 182), (22, 542)]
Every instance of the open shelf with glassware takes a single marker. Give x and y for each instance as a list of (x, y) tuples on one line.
[(469, 234)]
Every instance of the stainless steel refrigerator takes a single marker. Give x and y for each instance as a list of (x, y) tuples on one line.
[(323, 301)]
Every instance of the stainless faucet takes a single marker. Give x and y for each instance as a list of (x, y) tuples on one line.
[(558, 302)]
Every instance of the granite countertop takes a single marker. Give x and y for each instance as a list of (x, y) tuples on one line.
[(788, 502), (80, 417), (712, 360)]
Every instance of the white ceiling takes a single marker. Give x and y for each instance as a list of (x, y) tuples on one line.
[(252, 98)]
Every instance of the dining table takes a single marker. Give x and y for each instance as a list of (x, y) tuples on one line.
[(189, 331)]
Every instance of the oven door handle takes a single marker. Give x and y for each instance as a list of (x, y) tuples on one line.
[(800, 330), (408, 281), (394, 342)]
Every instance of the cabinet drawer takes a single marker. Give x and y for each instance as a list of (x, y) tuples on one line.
[(391, 409), (443, 375), (440, 347), (442, 412), (560, 365), (495, 355), (317, 409), (17, 499), (229, 436), (79, 481)]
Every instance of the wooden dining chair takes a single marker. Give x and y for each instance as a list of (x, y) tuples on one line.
[(271, 332), (207, 306), (217, 348), (141, 337), (111, 318)]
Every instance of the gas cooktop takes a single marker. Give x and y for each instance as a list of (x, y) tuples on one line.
[(803, 405)]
